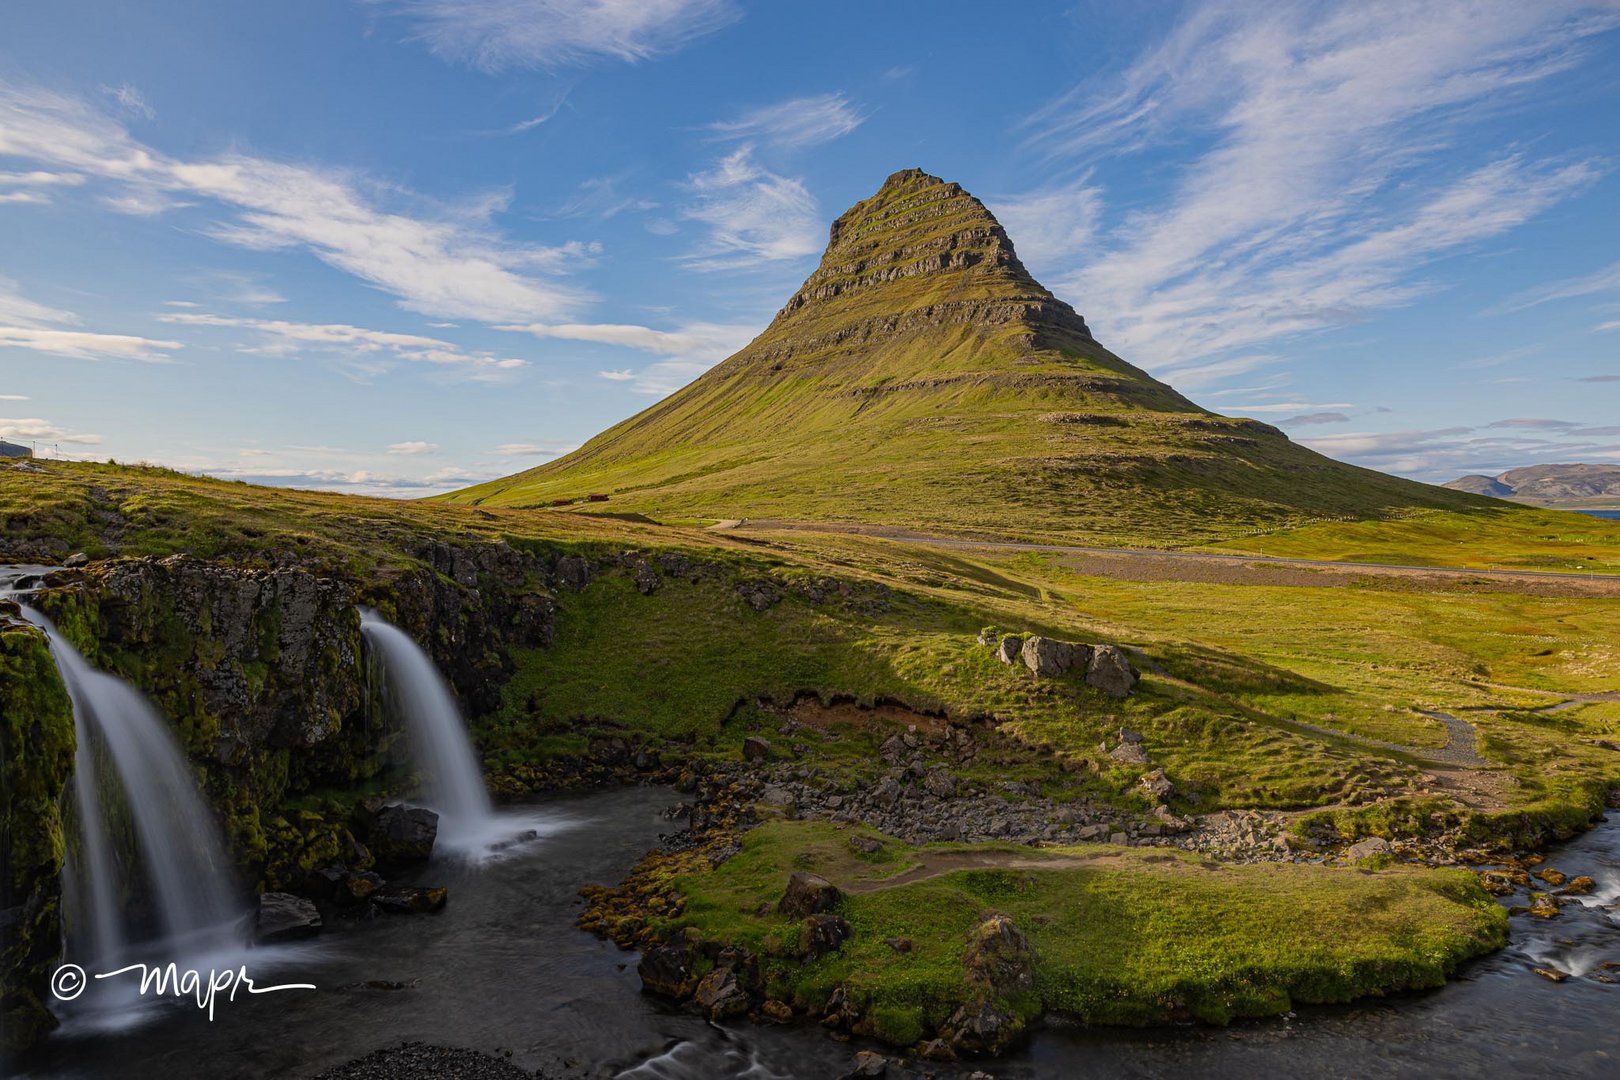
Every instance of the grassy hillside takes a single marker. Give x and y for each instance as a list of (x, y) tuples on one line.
[(921, 377)]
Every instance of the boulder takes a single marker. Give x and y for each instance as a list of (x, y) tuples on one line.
[(719, 995), (284, 917), (981, 1028), (1110, 671), (886, 792), (402, 833), (76, 560), (1010, 650), (1157, 786), (756, 748), (999, 957), (1048, 658), (808, 894), (1578, 886), (868, 1064), (667, 969), (573, 572), (1544, 907), (940, 783), (758, 594), (898, 944), (1129, 753), (821, 935), (1373, 845), (410, 899)]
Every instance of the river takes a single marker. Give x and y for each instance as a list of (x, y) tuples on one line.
[(503, 970)]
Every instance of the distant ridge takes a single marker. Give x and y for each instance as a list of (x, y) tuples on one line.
[(921, 377), (1574, 486)]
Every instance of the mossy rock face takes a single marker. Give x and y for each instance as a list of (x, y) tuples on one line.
[(36, 760), (261, 669)]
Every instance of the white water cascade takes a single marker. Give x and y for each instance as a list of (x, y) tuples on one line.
[(413, 690), (138, 826)]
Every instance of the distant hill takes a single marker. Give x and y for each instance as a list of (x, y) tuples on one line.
[(922, 378), (1573, 486)]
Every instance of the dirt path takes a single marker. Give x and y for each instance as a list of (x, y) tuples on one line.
[(1145, 564)]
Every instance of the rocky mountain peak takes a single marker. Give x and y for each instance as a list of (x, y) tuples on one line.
[(922, 241)]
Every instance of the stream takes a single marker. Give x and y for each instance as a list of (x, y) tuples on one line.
[(503, 970)]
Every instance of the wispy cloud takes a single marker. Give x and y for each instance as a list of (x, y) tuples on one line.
[(795, 124), (440, 260), (1049, 227), (1313, 419), (131, 102), (535, 449), (1291, 406), (361, 347), (497, 35), (415, 446), (33, 429), (26, 324), (1601, 281), (701, 340), (1329, 181), (754, 216), (1442, 454), (691, 350)]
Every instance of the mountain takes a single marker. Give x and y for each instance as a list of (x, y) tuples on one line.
[(1549, 485), (922, 378)]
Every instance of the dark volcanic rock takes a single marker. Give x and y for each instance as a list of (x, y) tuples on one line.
[(755, 748), (808, 894), (410, 899), (1111, 672), (823, 934), (403, 833), (284, 917), (667, 969)]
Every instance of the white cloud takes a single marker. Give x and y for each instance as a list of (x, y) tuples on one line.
[(25, 324), (700, 340), (496, 35), (83, 345), (447, 261), (33, 429), (1048, 227), (754, 216), (535, 449), (624, 375), (41, 178), (412, 447), (279, 337), (1292, 406), (131, 101), (795, 124), (1443, 454), (1309, 208), (13, 397), (1601, 281), (34, 197)]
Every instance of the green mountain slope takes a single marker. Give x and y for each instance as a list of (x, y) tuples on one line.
[(922, 378)]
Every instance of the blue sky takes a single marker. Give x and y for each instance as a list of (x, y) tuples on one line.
[(398, 246)]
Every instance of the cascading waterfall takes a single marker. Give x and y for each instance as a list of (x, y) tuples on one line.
[(138, 825), (413, 689)]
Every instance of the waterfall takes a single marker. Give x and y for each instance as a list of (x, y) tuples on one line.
[(413, 690), (138, 826)]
